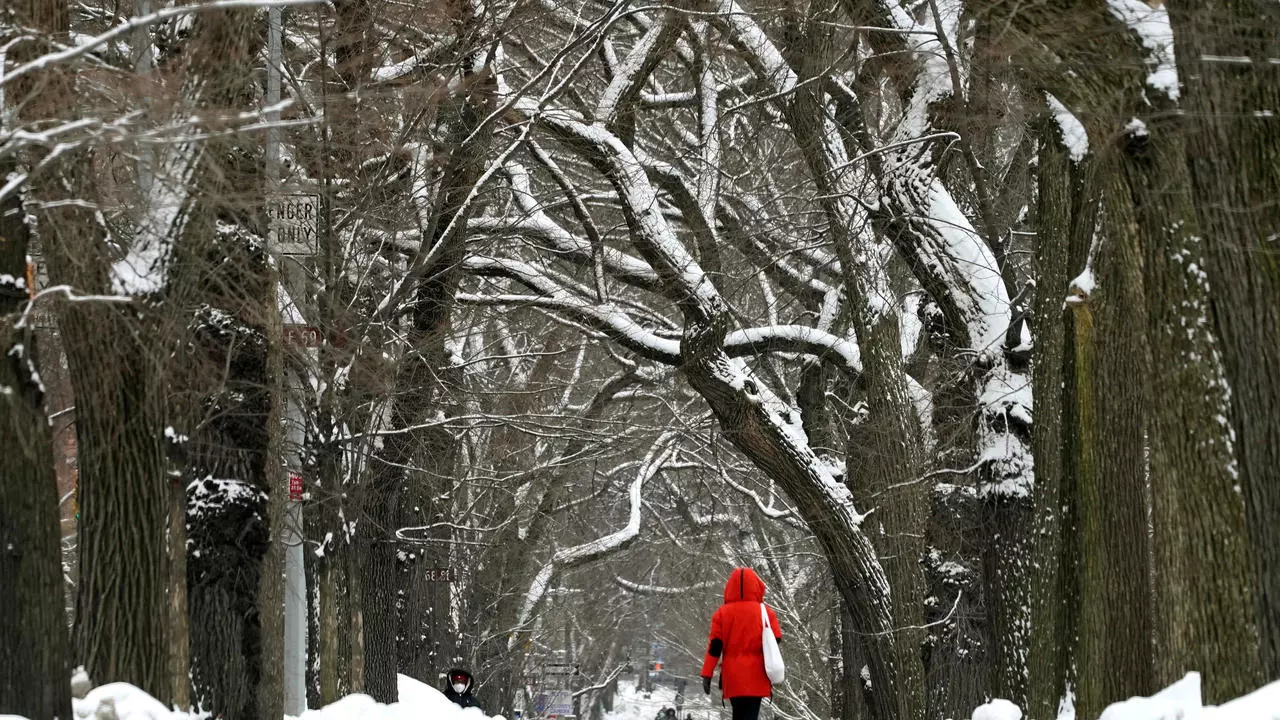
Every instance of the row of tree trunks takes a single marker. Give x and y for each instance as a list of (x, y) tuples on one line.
[(1147, 365)]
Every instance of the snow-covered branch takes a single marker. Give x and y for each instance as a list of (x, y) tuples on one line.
[(595, 549), (88, 45), (645, 589)]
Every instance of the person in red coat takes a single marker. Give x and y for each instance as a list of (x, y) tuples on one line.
[(735, 643)]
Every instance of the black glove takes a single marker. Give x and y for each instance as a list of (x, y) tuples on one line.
[(706, 686)]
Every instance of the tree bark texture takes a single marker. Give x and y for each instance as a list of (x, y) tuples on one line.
[(1060, 247), (1111, 371), (1205, 578), (1226, 60), (33, 625), (883, 450)]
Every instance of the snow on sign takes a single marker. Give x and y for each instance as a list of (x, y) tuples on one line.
[(294, 223)]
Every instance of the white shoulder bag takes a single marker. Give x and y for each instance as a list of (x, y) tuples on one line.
[(773, 665)]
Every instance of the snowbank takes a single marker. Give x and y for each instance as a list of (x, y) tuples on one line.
[(123, 701), (998, 709), (1179, 701), (418, 701)]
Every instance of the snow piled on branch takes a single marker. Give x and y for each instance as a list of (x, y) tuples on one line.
[(418, 701), (1073, 133), (1152, 25), (1179, 701)]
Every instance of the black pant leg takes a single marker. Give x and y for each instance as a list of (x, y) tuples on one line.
[(746, 708)]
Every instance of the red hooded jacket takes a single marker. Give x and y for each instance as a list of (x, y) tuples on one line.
[(736, 626)]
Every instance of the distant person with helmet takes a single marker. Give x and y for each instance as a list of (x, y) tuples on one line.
[(458, 688), (736, 643)]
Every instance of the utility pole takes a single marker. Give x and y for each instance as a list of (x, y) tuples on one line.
[(290, 535)]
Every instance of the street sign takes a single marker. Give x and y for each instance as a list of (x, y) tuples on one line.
[(295, 487), (554, 703), (560, 703), (294, 223), (441, 575)]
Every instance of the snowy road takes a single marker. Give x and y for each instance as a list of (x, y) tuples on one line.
[(633, 705)]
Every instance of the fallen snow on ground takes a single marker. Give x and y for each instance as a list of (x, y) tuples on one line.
[(418, 701), (1179, 701), (998, 709), (631, 703), (123, 701)]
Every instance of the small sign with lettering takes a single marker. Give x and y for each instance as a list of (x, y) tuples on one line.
[(295, 487), (294, 223), (441, 575), (303, 336)]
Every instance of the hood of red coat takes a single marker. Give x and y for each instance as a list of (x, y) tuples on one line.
[(744, 584)]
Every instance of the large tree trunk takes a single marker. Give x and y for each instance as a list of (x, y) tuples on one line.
[(1111, 371), (1054, 551), (883, 450), (1226, 54), (123, 492), (1205, 578), (33, 623)]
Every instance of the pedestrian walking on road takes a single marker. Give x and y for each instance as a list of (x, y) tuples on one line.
[(736, 644)]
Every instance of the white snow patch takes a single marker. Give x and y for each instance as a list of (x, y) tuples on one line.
[(1073, 133), (998, 709), (1084, 282), (1179, 701), (909, 325), (126, 702), (1152, 25), (1067, 705), (971, 255), (631, 703), (417, 701)]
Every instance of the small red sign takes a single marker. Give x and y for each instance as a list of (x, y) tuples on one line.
[(295, 487), (303, 336)]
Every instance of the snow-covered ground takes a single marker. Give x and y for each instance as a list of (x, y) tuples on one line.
[(1179, 701), (419, 701), (631, 704)]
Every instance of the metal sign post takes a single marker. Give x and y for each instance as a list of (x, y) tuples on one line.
[(292, 230)]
